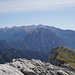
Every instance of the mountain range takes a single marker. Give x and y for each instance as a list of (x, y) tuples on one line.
[(34, 39), (40, 39)]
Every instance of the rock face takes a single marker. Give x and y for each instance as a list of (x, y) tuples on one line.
[(6, 69), (32, 67), (62, 56)]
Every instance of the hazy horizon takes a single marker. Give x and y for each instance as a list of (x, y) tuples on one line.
[(35, 25)]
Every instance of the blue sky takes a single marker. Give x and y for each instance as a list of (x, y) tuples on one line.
[(58, 13)]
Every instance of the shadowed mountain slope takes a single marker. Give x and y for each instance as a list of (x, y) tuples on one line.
[(8, 54), (4, 45), (40, 39)]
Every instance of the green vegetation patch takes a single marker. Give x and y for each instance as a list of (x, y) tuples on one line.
[(66, 56)]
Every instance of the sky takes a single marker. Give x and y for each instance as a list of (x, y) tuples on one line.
[(57, 13)]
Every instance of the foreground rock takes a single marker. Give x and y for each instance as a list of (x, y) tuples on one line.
[(32, 67), (6, 69)]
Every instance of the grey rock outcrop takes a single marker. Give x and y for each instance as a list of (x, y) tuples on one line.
[(6, 69), (32, 67), (53, 56), (62, 56)]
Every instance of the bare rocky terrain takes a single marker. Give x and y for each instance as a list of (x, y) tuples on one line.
[(32, 67)]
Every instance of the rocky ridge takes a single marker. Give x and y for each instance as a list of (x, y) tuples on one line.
[(32, 67), (62, 56)]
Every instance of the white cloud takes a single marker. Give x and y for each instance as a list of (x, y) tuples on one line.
[(32, 5)]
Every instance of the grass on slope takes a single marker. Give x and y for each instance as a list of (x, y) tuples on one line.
[(66, 56)]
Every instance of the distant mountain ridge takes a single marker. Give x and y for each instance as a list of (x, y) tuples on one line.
[(40, 39), (37, 37), (15, 33)]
